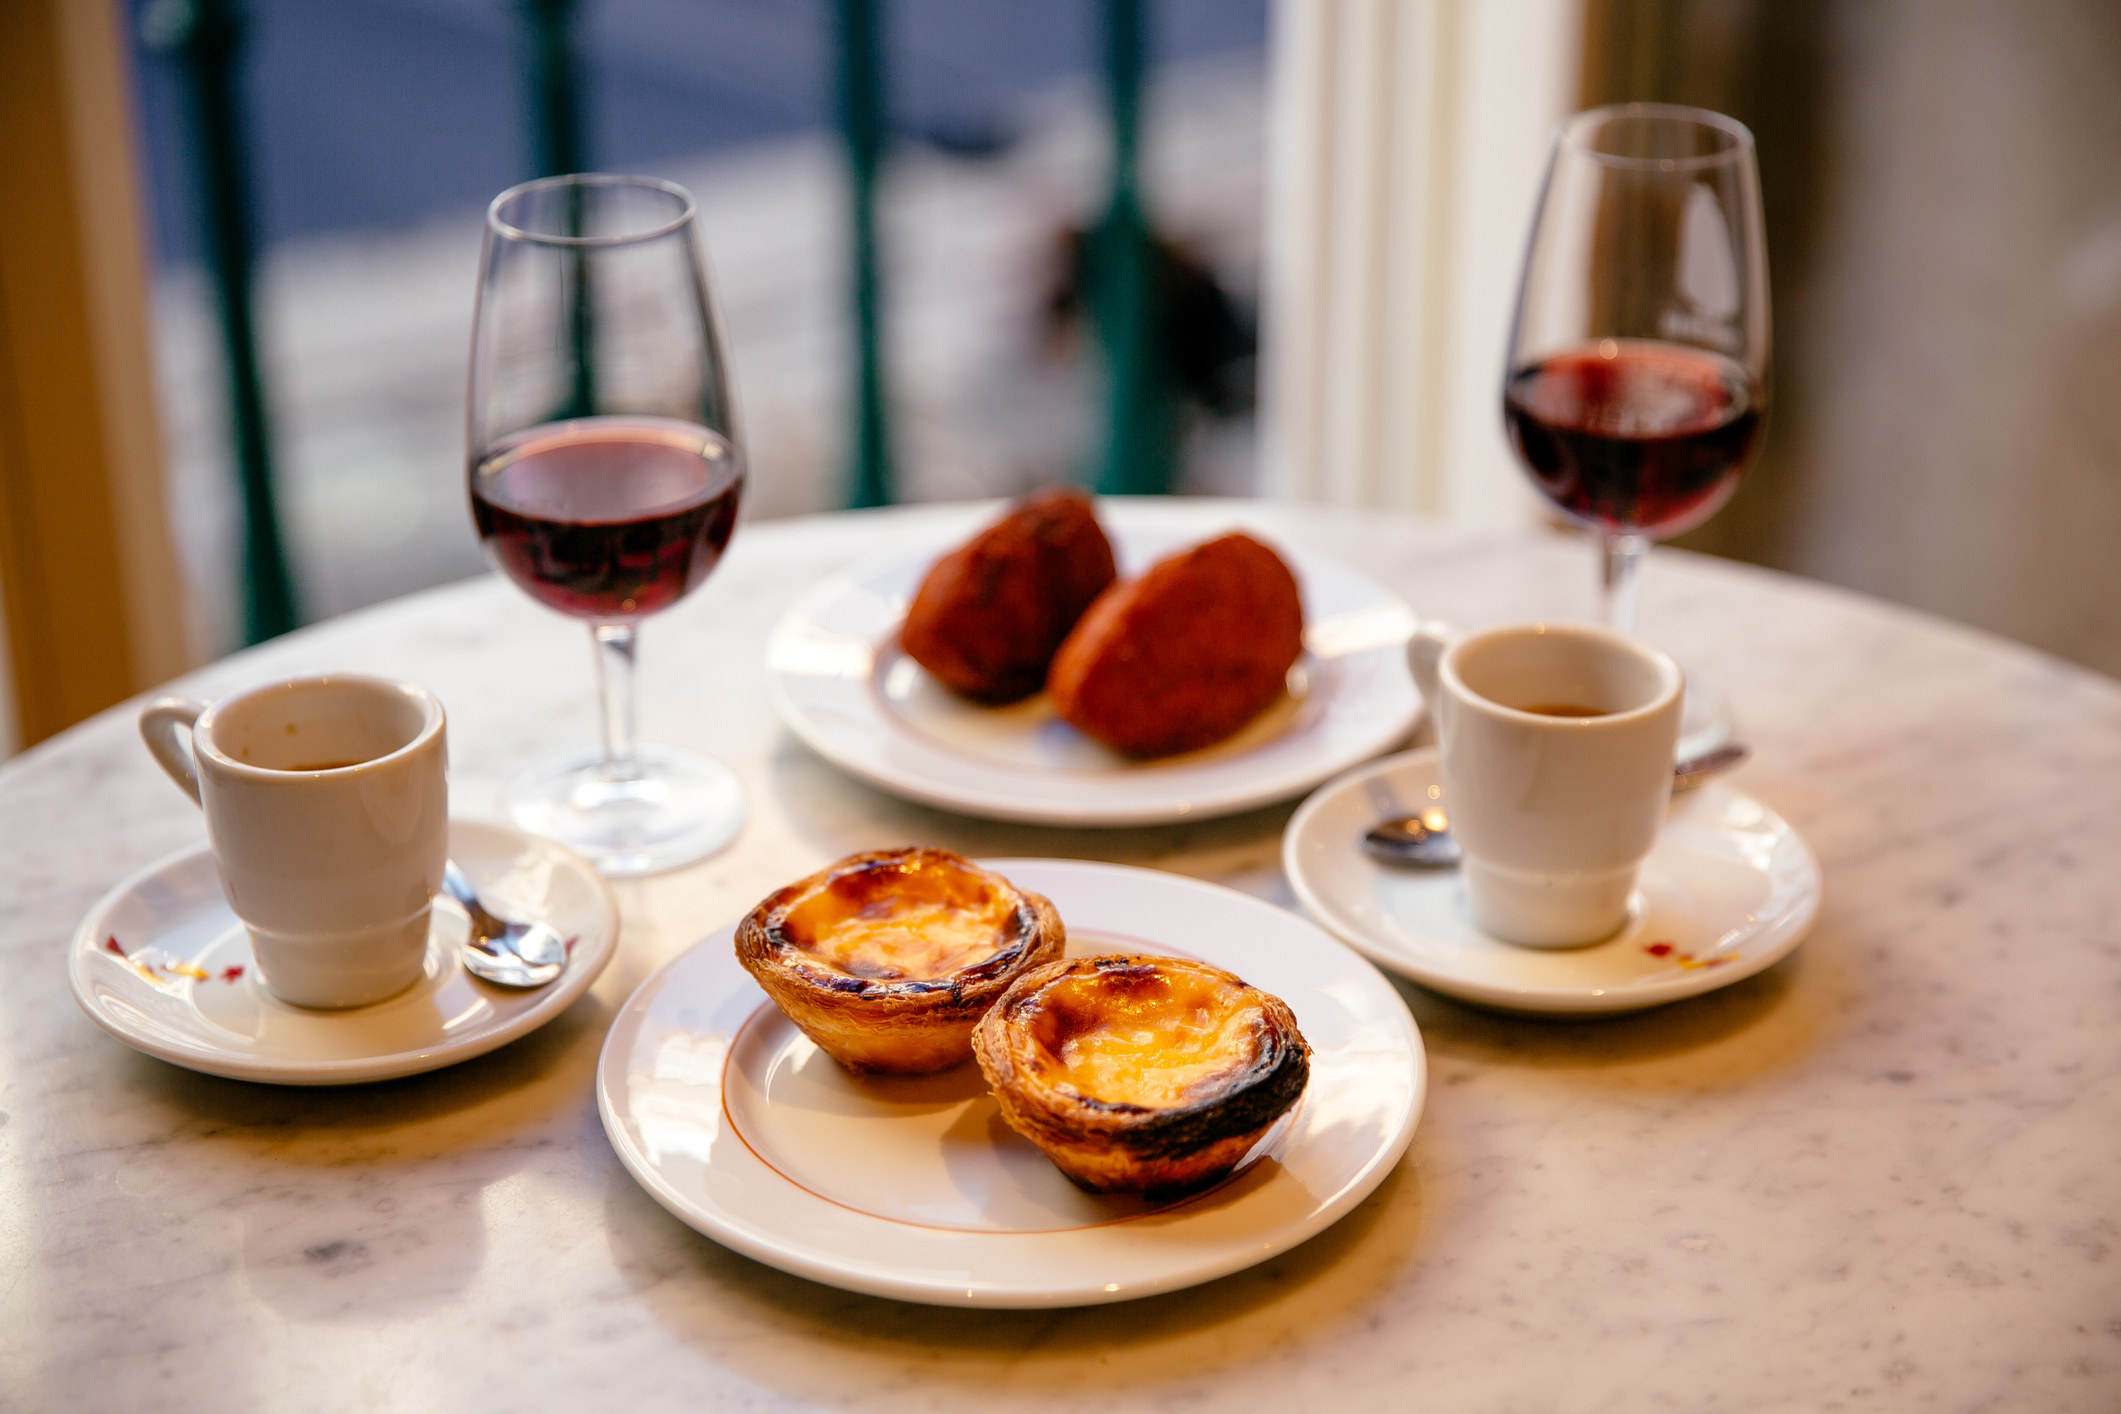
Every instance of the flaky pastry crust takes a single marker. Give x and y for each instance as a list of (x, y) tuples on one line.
[(888, 959), (1151, 1075)]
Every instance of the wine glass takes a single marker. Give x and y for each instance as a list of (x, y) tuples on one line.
[(1637, 379), (605, 470)]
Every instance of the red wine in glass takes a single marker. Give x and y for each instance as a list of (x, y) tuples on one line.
[(608, 518), (605, 471), (1634, 436)]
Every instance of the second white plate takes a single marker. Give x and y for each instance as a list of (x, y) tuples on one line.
[(838, 679), (913, 1187)]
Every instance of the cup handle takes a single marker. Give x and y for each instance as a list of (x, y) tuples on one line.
[(165, 725), (1431, 637)]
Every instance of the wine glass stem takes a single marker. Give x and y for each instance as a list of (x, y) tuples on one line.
[(1623, 566), (615, 652)]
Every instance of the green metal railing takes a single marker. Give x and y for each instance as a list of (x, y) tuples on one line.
[(206, 37), (1122, 264), (861, 114), (557, 146), (1141, 424), (1140, 451)]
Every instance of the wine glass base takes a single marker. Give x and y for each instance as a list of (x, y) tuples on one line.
[(677, 807)]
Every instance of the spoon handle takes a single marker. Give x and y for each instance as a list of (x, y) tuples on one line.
[(1696, 769), (483, 922)]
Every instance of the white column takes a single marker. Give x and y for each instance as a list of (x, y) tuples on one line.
[(1406, 143)]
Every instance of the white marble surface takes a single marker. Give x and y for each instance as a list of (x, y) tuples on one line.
[(1886, 1174)]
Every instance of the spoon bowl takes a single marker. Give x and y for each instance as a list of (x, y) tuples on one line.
[(507, 954), (1414, 841)]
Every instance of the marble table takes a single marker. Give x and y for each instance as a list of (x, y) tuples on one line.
[(1885, 1174)]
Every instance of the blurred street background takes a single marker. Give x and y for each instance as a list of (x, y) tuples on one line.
[(1942, 185), (379, 129)]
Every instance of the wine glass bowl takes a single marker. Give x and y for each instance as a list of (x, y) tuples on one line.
[(1637, 380), (605, 475), (1634, 436), (608, 519)]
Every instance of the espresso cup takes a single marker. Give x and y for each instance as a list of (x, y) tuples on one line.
[(327, 806), (1555, 743)]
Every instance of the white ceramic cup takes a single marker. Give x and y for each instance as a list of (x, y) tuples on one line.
[(1554, 813), (327, 805)]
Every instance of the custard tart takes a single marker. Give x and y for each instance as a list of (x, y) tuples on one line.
[(887, 959), (1141, 1074)]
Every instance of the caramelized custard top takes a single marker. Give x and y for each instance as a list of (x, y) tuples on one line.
[(1154, 1034), (896, 923)]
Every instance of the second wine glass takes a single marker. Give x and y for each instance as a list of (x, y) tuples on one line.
[(1637, 380), (605, 474)]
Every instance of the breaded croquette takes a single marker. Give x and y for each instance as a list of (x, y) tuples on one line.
[(990, 614), (1186, 654)]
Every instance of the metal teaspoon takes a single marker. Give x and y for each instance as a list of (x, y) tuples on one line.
[(510, 954)]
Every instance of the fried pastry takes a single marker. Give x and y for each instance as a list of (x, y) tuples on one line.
[(887, 959), (989, 615), (1186, 654), (1148, 1075)]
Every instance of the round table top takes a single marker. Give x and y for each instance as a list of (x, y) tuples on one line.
[(1881, 1174)]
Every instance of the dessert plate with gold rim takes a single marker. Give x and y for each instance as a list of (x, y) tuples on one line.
[(912, 1187), (838, 679), (163, 965), (1729, 889)]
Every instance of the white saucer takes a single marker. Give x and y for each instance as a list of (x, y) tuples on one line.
[(181, 982), (1729, 890), (839, 680), (912, 1187)]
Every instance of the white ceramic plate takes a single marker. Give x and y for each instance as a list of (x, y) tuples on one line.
[(912, 1187), (839, 680), (1729, 889), (181, 983)]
